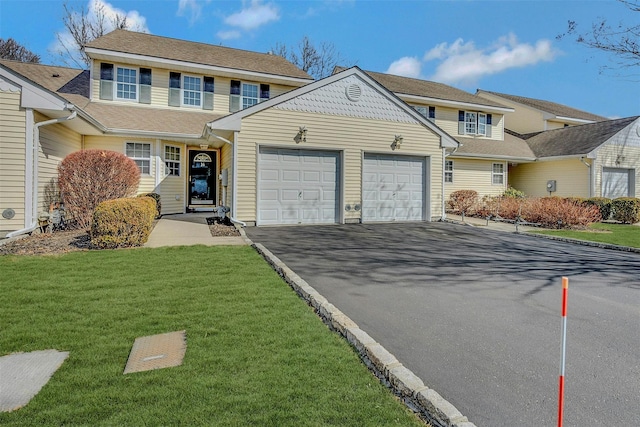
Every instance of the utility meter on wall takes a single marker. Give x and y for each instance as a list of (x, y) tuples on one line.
[(551, 186)]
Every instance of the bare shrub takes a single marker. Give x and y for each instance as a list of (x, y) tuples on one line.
[(463, 200), (87, 178), (555, 212)]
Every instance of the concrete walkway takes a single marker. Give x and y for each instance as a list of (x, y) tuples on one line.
[(187, 230)]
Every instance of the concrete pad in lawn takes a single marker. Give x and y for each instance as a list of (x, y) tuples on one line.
[(22, 376)]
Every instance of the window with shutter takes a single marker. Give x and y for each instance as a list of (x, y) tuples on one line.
[(207, 102), (145, 86), (461, 122), (106, 81), (234, 96), (432, 114), (264, 92), (174, 89)]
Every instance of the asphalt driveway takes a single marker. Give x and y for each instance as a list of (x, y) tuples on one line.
[(476, 314)]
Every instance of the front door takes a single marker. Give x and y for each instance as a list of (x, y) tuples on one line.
[(202, 177)]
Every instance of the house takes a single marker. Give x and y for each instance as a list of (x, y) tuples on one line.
[(211, 126), (485, 151), (535, 115), (598, 159)]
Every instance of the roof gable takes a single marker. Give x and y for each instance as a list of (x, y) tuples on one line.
[(579, 140), (351, 93), (558, 110), (164, 48)]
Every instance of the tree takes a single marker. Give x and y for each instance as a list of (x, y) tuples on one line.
[(11, 49), (83, 26), (621, 40), (317, 61)]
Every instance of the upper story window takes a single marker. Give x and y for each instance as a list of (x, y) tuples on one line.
[(244, 95), (474, 123), (140, 153), (428, 112), (131, 84), (191, 91)]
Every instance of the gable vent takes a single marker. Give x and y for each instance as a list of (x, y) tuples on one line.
[(354, 92)]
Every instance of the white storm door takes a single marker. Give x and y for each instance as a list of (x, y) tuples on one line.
[(393, 188), (297, 186), (616, 182)]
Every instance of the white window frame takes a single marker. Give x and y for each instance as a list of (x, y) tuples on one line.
[(243, 97), (138, 155), (184, 91), (495, 174), (118, 83), (470, 123), (422, 110), (448, 171), (482, 124), (172, 160)]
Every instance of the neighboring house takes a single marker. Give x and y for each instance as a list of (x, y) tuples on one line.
[(481, 162), (535, 115), (592, 160), (211, 126)]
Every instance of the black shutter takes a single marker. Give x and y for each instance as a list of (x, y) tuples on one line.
[(461, 122), (234, 96), (145, 86), (207, 103), (489, 130), (432, 113), (174, 89), (106, 81), (264, 92)]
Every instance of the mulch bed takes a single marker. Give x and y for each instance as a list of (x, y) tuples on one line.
[(61, 242)]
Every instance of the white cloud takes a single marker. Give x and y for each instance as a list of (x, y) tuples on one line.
[(465, 63), (136, 21), (192, 8), (407, 67), (228, 35), (254, 16)]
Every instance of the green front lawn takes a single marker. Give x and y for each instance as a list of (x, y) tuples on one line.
[(256, 355), (615, 234)]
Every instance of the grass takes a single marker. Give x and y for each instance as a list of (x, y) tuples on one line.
[(615, 234), (256, 353)]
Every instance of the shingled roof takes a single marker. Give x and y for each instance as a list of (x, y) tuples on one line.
[(554, 108), (512, 147), (148, 45), (575, 140), (424, 88)]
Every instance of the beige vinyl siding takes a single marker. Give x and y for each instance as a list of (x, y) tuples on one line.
[(147, 182), (447, 120), (226, 162), (56, 142), (351, 136), (172, 189), (160, 88), (12, 159), (475, 174), (571, 176), (627, 157), (524, 119), (551, 125)]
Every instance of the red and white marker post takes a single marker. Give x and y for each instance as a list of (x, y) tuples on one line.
[(565, 289)]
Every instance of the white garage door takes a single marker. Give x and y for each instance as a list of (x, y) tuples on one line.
[(297, 187), (616, 182), (393, 188)]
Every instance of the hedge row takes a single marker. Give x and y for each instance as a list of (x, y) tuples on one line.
[(122, 223)]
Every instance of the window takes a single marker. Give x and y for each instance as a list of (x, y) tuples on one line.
[(421, 110), (249, 95), (172, 160), (127, 83), (470, 123), (427, 112), (448, 171), (192, 91), (140, 153), (473, 123), (497, 174)]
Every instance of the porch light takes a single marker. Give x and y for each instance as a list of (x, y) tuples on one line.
[(397, 142), (204, 146), (301, 135)]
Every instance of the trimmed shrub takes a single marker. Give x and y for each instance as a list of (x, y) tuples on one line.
[(156, 198), (555, 212), (122, 223), (603, 204), (463, 200), (512, 192), (89, 177), (626, 210)]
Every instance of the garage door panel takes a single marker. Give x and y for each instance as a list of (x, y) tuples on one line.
[(393, 188), (306, 186), (617, 182)]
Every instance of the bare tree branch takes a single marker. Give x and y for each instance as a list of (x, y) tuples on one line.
[(317, 61), (11, 49)]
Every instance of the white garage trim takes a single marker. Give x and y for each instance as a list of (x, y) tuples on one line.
[(298, 186), (395, 188), (618, 182)]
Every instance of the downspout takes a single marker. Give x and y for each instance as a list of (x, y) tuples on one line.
[(444, 159), (34, 182), (591, 183), (234, 173)]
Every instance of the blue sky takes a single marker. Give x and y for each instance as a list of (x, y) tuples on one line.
[(501, 46)]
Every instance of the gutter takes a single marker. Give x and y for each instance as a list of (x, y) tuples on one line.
[(35, 146), (591, 183), (234, 173), (443, 216)]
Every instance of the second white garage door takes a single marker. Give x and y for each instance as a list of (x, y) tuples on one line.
[(617, 182), (394, 188), (297, 186)]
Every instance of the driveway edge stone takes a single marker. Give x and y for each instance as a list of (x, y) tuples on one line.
[(427, 403)]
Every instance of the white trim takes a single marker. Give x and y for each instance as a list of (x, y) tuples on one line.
[(136, 84), (159, 172), (503, 174), (142, 158), (182, 91), (164, 158), (102, 55), (29, 171), (495, 157)]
